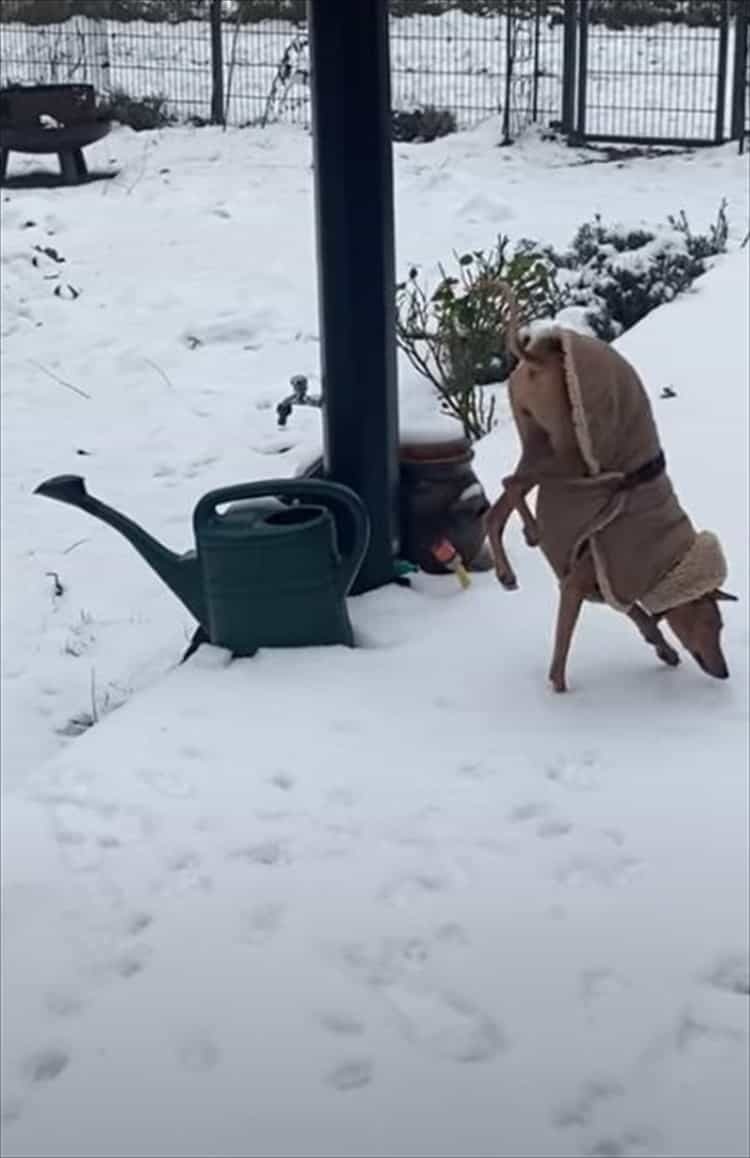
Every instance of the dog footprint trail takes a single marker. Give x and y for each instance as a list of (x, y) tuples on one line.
[(264, 853), (182, 872), (45, 1065), (350, 1074), (125, 952), (631, 1143), (355, 1070), (406, 888), (730, 974), (38, 1070), (581, 1109), (170, 783), (598, 986), (341, 1024), (117, 955), (88, 832), (546, 823), (98, 842), (445, 1024), (601, 870), (603, 860), (197, 1053), (261, 923), (435, 1019), (62, 1003), (597, 858), (11, 1109), (582, 1116), (576, 774)]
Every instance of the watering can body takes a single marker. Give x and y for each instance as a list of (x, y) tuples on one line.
[(291, 565), (264, 572)]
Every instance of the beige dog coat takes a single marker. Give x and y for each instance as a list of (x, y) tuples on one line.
[(644, 547)]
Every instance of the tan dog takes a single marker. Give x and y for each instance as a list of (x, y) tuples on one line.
[(607, 518)]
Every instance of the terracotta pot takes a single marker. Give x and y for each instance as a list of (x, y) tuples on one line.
[(442, 498)]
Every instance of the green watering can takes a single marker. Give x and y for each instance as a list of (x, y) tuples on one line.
[(263, 574)]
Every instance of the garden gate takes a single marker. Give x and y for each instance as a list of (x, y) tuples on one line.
[(666, 84)]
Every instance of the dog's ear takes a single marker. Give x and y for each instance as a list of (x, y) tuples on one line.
[(724, 596)]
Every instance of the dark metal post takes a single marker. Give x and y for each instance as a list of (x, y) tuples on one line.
[(509, 62), (583, 58), (351, 118), (739, 73), (569, 67), (217, 65), (721, 79), (537, 34)]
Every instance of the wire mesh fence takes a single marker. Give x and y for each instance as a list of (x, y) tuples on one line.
[(665, 83), (659, 80)]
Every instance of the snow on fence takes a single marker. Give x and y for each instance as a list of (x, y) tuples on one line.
[(672, 82)]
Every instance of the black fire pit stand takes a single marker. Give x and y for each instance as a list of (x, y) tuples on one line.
[(350, 86), (50, 118)]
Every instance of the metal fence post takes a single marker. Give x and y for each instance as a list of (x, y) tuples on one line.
[(569, 67), (721, 76), (217, 65), (583, 57), (508, 70), (537, 32), (739, 73)]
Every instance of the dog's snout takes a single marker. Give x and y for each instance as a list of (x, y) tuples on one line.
[(718, 669)]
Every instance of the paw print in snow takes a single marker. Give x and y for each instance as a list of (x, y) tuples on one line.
[(732, 974), (351, 1074)]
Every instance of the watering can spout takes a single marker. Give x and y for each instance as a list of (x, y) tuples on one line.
[(179, 572)]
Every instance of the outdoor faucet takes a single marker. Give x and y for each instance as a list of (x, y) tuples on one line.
[(298, 397)]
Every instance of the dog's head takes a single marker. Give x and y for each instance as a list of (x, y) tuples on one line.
[(529, 353), (698, 626), (539, 364)]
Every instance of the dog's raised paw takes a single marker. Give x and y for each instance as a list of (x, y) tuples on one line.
[(668, 655)]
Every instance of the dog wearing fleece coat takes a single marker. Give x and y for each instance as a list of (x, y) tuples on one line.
[(607, 517)]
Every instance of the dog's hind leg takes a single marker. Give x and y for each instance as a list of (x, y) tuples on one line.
[(651, 632), (571, 600)]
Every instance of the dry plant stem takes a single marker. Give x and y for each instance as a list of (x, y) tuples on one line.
[(62, 382)]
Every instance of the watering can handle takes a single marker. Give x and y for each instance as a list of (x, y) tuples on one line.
[(342, 501)]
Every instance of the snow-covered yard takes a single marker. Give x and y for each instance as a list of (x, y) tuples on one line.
[(396, 900)]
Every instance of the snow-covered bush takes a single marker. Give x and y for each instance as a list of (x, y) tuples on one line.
[(620, 14), (618, 275), (455, 334), (140, 113), (425, 124)]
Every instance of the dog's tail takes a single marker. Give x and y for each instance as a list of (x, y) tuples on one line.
[(516, 342)]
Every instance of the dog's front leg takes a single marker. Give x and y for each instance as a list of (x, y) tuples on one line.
[(649, 629), (530, 525), (512, 497), (571, 598), (536, 458)]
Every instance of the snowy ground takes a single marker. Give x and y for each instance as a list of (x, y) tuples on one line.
[(398, 900)]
